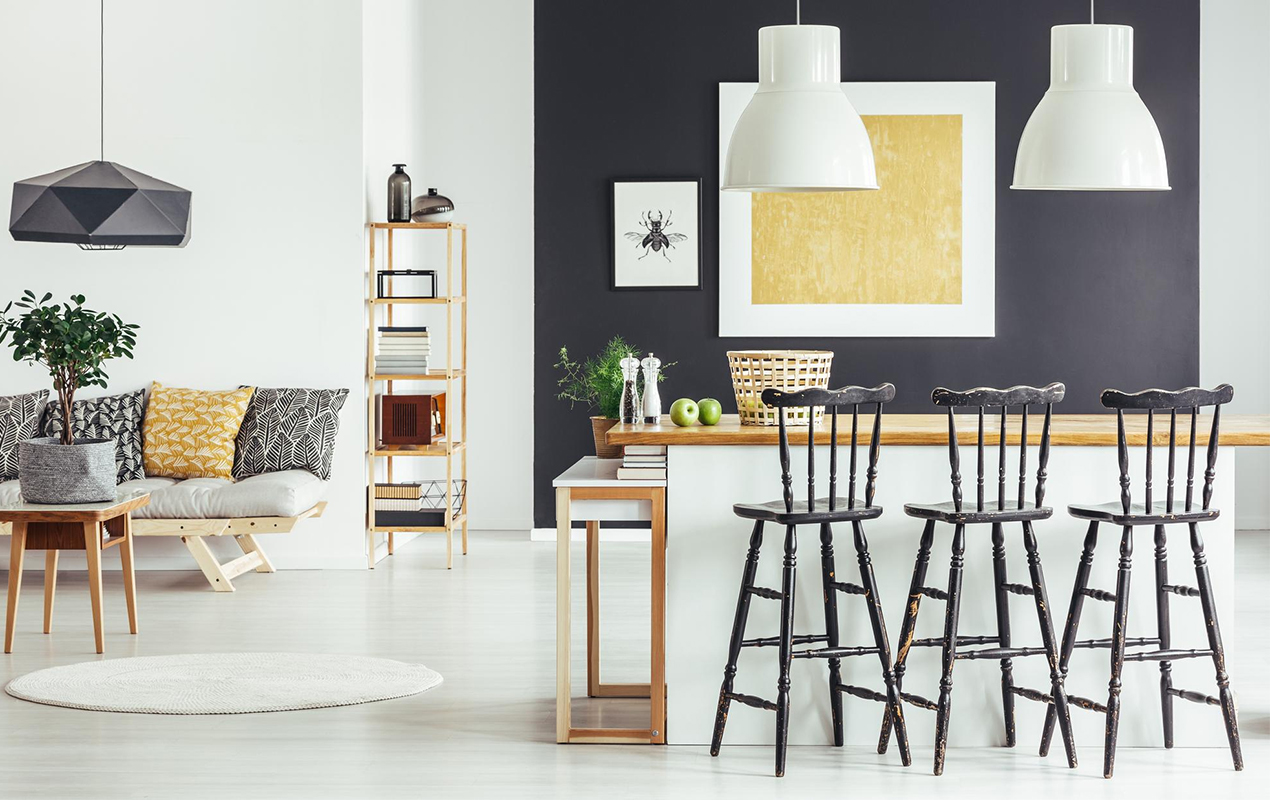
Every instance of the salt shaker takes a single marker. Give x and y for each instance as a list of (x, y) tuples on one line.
[(631, 409), (652, 400)]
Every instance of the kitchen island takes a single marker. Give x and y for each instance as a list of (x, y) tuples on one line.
[(711, 468)]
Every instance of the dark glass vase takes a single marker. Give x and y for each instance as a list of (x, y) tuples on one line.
[(399, 195)]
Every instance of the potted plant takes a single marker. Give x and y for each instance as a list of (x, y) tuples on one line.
[(72, 343), (597, 383)]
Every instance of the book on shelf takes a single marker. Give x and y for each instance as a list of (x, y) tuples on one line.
[(381, 369), (630, 460), (644, 450), (403, 328), (397, 504), (641, 473), (404, 491)]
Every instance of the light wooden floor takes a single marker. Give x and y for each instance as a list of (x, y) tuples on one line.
[(488, 627)]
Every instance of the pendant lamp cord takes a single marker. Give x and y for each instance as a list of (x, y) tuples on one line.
[(101, 52), (1091, 12), (798, 12)]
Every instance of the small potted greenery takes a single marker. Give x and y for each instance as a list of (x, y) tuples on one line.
[(597, 384), (72, 343)]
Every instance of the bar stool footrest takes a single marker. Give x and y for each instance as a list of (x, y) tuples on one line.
[(1018, 588), (860, 691), (751, 701), (774, 641), (1042, 697), (837, 652), (960, 640), (1099, 594), (1091, 644), (919, 701), (1184, 591), (1168, 655), (1195, 697), (769, 594), (848, 588), (933, 593), (1001, 652)]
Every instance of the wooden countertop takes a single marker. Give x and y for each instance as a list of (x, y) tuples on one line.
[(1090, 430)]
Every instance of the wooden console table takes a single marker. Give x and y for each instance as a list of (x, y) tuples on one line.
[(590, 490), (91, 527)]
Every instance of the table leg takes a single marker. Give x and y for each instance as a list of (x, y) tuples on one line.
[(563, 526), (129, 574), (657, 680), (50, 586), (17, 550), (593, 608), (92, 549)]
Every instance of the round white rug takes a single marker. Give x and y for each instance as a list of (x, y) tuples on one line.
[(223, 683)]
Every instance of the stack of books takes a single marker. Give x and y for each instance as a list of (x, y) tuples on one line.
[(643, 463), (402, 350), (398, 503)]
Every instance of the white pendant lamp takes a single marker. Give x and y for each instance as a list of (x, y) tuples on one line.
[(799, 133), (1091, 131)]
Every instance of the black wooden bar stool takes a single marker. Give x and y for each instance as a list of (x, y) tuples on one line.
[(1129, 515), (823, 512), (995, 513)]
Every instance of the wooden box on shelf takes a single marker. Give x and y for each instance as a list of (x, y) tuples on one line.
[(410, 419)]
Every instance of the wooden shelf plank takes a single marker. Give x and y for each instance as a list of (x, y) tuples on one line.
[(419, 301), (430, 375), (419, 226), (419, 451)]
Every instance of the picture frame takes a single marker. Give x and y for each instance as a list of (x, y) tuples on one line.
[(639, 210)]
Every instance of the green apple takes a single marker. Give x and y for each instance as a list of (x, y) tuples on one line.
[(683, 412), (711, 411)]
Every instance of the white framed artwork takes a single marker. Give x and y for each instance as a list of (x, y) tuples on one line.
[(917, 258)]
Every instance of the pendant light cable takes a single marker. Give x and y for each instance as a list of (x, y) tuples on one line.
[(101, 71), (1091, 12), (798, 12)]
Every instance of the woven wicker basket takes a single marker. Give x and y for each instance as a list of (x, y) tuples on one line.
[(788, 370)]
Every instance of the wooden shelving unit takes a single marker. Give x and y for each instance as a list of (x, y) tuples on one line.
[(453, 373)]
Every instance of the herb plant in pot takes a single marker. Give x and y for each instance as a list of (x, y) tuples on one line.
[(596, 383), (72, 343)]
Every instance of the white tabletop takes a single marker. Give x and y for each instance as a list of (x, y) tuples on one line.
[(592, 471)]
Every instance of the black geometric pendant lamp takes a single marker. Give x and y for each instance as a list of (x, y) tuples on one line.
[(100, 205)]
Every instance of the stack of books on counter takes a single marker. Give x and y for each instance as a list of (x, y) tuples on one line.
[(641, 462), (402, 350)]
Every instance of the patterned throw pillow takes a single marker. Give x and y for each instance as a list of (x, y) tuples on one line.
[(19, 417), (289, 429), (190, 434), (116, 417)]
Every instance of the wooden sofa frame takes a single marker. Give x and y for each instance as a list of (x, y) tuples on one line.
[(242, 529)]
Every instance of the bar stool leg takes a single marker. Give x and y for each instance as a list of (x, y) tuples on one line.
[(738, 634), (1209, 606), (1000, 577), (1163, 632), (950, 646), (1041, 596), (869, 581), (1073, 623), (908, 625), (1117, 650), (831, 629), (786, 645)]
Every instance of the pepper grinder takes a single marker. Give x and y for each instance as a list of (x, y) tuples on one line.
[(631, 409), (652, 400)]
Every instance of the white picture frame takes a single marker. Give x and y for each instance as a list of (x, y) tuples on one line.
[(975, 102)]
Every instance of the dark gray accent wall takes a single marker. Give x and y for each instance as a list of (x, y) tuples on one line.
[(1092, 289)]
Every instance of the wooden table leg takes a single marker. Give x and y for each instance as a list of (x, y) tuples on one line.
[(17, 551), (593, 608), (92, 549), (50, 586), (563, 526), (657, 680), (129, 575)]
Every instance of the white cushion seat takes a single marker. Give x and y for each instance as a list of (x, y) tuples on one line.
[(274, 494)]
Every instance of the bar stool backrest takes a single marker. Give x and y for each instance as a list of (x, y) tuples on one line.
[(983, 399), (1152, 400), (831, 400)]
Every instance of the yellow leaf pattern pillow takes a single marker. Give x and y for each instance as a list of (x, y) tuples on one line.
[(190, 434)]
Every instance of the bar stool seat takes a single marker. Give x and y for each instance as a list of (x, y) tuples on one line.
[(947, 512), (1139, 515), (844, 511)]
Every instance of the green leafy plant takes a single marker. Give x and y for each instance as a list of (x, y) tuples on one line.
[(70, 341), (597, 381)]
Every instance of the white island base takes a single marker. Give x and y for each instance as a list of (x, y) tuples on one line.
[(706, 547)]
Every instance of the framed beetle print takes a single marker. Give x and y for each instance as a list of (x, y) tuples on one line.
[(656, 234)]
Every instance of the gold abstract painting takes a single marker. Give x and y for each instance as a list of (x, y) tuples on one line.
[(901, 244)]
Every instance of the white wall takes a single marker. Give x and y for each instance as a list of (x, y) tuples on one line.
[(479, 151), (1234, 225), (256, 108)]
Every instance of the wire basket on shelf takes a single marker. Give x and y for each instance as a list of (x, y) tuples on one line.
[(787, 370)]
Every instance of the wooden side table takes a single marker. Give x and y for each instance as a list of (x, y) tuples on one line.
[(590, 490), (91, 527)]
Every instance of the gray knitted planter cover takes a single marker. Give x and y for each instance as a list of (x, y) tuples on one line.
[(51, 472)]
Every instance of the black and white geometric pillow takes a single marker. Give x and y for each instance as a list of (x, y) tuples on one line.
[(289, 429), (19, 421), (117, 417)]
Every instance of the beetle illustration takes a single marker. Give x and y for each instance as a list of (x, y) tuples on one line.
[(656, 240)]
